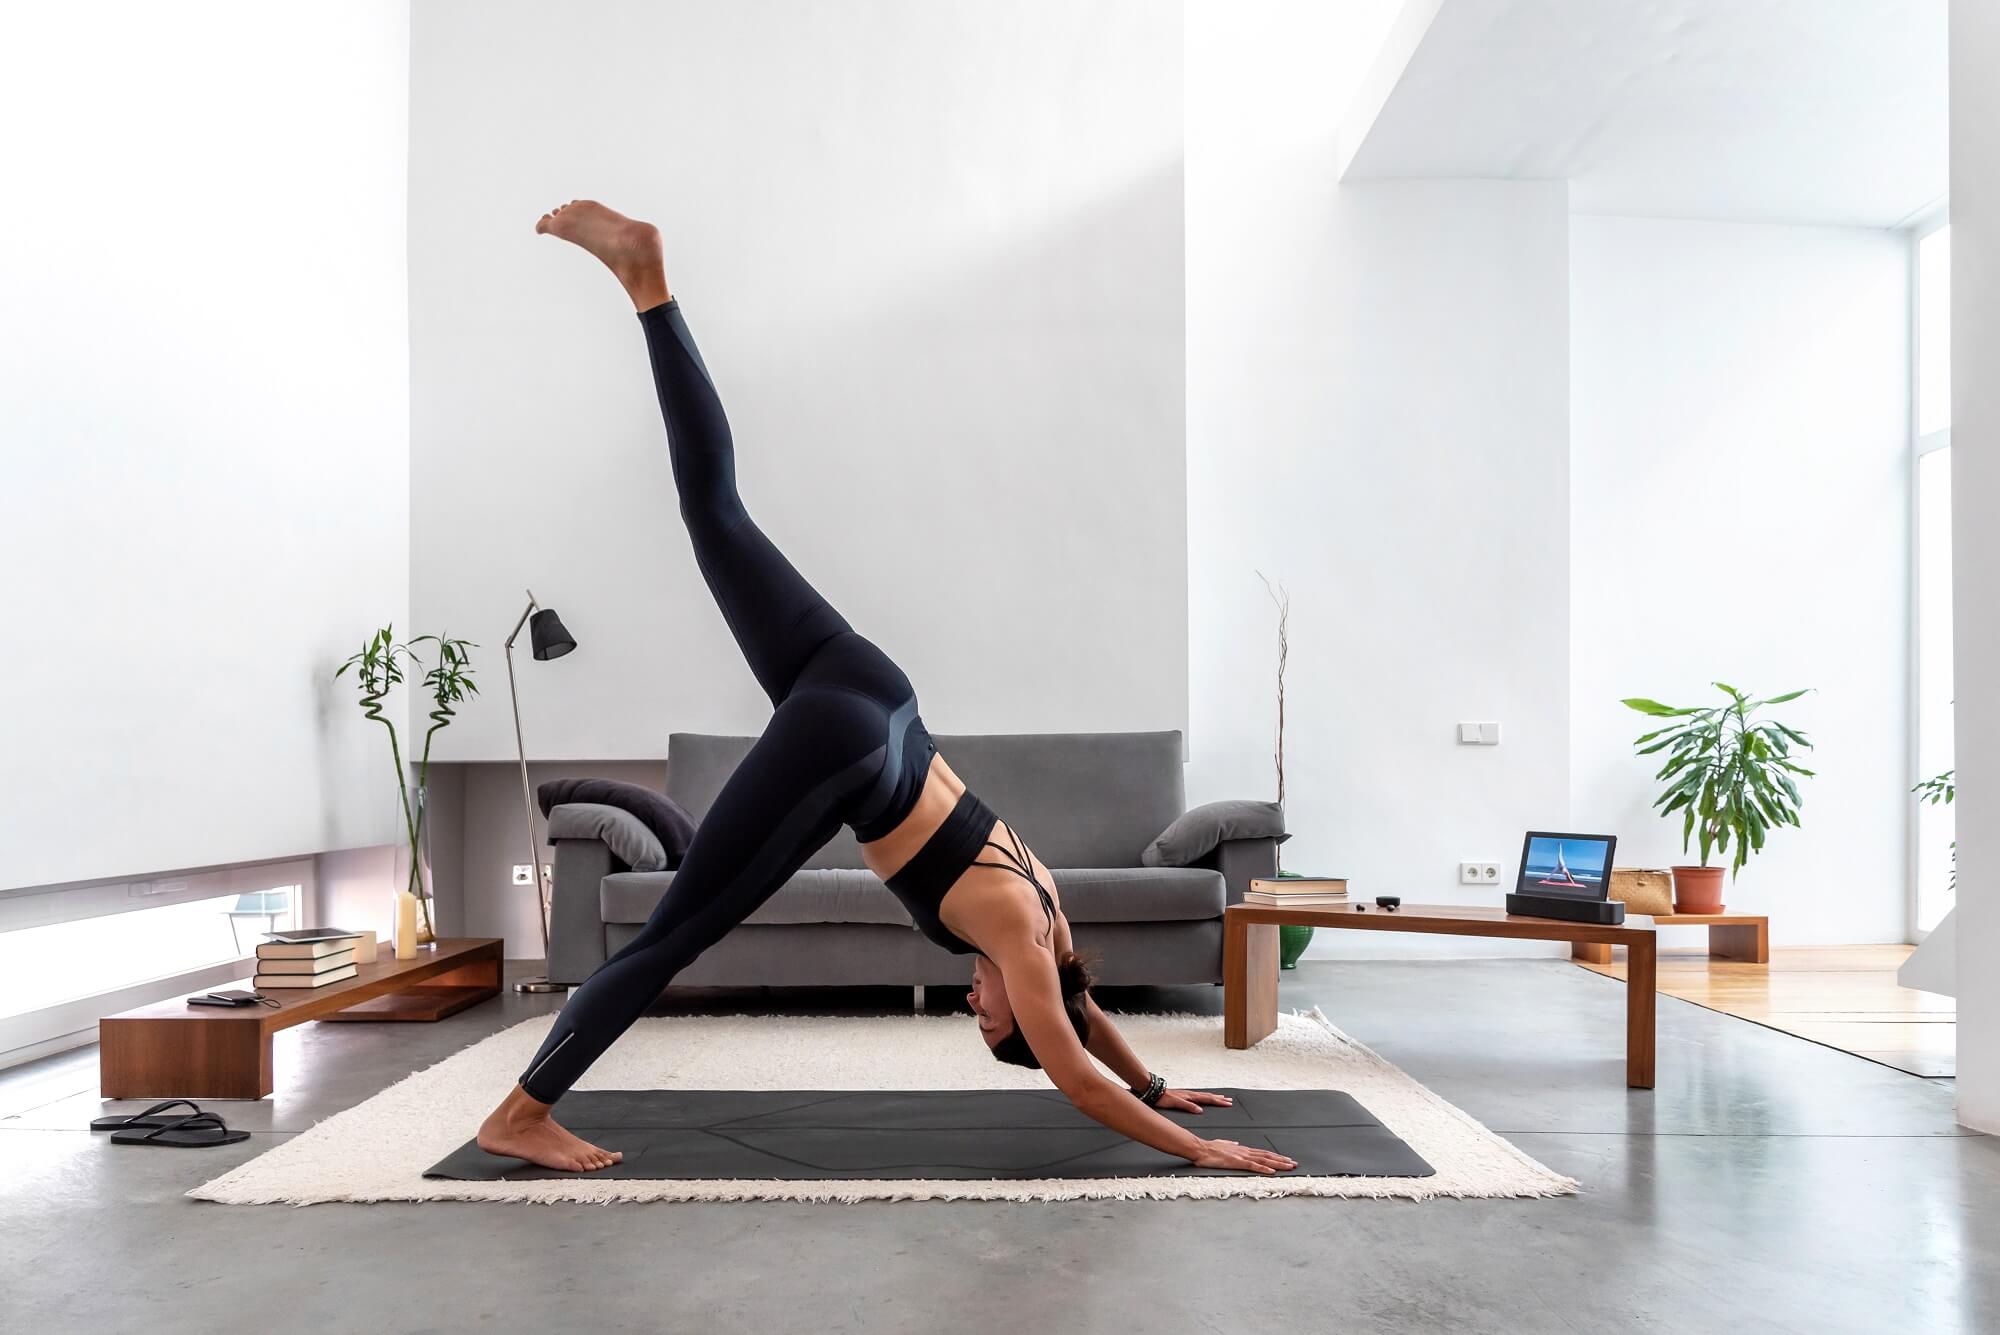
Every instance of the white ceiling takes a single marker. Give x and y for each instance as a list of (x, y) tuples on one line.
[(1817, 111)]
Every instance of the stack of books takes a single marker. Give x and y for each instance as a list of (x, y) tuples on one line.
[(305, 963), (1297, 892)]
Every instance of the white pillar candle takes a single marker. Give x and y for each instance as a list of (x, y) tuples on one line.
[(406, 925)]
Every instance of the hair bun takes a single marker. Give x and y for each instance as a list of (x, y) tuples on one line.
[(1074, 973)]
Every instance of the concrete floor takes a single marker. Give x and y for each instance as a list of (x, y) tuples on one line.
[(1768, 1184)]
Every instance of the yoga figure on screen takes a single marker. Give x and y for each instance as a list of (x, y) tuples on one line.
[(844, 746)]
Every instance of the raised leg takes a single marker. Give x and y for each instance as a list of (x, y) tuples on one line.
[(1589, 952), (1641, 980), (1749, 942), (778, 618), (1249, 981)]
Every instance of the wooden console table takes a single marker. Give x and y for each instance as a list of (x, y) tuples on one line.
[(173, 1050), (1745, 937), (1250, 961)]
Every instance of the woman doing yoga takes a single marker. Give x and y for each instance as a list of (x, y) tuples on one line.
[(844, 746)]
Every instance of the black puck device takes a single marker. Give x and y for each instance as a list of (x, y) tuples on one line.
[(1567, 876)]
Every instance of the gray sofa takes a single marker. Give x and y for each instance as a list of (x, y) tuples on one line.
[(1087, 803)]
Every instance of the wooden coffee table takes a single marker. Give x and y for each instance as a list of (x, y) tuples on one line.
[(1250, 960), (173, 1050)]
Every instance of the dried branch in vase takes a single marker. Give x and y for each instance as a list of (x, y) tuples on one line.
[(1283, 598)]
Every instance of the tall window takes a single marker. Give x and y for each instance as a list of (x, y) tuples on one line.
[(1936, 864)]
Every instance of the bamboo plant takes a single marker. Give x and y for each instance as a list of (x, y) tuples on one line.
[(379, 668), (1730, 774), (450, 683)]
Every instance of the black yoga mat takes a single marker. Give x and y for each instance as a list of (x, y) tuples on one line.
[(799, 1135)]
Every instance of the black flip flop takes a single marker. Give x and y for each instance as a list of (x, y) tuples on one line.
[(149, 1118), (196, 1131)]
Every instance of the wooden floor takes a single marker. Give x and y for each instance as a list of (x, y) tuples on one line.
[(1846, 997)]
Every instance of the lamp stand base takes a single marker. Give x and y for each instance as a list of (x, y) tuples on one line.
[(540, 984)]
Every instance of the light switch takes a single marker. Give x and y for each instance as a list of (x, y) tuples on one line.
[(1479, 734)]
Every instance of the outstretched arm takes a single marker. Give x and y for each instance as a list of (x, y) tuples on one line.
[(1109, 1046), (1035, 995)]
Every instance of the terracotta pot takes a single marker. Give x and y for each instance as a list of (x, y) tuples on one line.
[(1697, 889)]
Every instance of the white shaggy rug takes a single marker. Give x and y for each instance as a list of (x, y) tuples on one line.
[(378, 1150)]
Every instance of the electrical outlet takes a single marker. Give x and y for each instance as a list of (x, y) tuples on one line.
[(524, 873), (1479, 873)]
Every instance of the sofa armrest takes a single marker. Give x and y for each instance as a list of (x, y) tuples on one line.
[(1240, 861), (576, 917)]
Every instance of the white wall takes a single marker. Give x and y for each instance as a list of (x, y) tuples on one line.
[(933, 254), (1739, 446), (1975, 446), (203, 390), (1377, 417)]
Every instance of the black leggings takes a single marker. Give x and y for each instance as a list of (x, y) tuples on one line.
[(832, 752)]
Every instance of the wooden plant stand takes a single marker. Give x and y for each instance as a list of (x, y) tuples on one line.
[(1745, 937), (173, 1050)]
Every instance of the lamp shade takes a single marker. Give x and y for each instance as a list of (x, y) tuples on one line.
[(551, 639)]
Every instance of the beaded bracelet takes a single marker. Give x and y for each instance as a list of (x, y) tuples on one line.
[(1154, 1088)]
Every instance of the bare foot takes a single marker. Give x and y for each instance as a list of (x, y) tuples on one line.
[(521, 1128), (628, 247)]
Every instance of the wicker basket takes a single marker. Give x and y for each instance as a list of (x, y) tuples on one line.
[(1643, 890)]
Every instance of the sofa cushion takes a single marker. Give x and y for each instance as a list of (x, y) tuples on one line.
[(833, 895), (1195, 834), (666, 818), (1139, 894), (624, 833)]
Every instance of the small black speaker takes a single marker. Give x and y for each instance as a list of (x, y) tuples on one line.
[(1604, 912)]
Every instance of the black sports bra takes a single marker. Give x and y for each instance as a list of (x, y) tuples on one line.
[(955, 845)]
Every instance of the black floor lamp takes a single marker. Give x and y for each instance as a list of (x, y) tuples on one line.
[(548, 638)]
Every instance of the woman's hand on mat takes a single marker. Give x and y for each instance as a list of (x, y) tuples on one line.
[(1241, 1158), (1191, 1100)]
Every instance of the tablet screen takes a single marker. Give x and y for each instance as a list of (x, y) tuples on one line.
[(1578, 865)]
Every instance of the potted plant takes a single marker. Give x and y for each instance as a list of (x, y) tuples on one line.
[(378, 669), (1731, 776), (450, 684), (1941, 790)]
